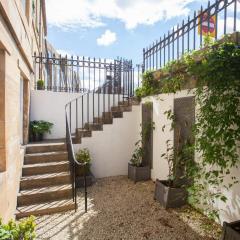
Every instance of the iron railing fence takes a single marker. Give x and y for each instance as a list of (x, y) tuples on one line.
[(220, 18), (84, 74)]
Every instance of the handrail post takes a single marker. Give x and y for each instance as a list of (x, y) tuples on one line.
[(85, 188)]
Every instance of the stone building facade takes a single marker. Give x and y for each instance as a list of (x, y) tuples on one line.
[(22, 32)]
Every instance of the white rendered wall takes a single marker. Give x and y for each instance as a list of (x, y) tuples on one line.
[(162, 103), (50, 106), (229, 211), (112, 148)]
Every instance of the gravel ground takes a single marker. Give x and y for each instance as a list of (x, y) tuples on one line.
[(121, 210)]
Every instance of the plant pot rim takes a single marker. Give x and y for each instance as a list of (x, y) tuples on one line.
[(138, 166), (163, 182), (88, 164)]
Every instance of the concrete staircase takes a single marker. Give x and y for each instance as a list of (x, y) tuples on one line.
[(45, 186), (106, 118)]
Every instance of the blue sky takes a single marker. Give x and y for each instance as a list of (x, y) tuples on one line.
[(112, 28)]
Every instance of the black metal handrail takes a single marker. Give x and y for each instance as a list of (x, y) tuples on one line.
[(118, 86), (179, 40), (73, 163)]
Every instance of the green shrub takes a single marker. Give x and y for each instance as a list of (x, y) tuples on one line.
[(24, 230), (40, 127), (40, 84), (149, 86)]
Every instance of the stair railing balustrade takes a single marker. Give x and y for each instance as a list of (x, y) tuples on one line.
[(116, 83)]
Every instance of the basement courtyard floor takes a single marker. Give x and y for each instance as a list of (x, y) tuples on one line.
[(118, 209)]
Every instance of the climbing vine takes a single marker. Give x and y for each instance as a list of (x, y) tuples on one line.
[(217, 130), (138, 153)]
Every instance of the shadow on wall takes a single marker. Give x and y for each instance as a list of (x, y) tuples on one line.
[(231, 210), (118, 209)]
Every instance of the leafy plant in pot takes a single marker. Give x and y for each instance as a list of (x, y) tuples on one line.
[(38, 128), (169, 192), (40, 84), (136, 170), (172, 193), (83, 156)]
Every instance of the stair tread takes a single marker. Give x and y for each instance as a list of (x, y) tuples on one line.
[(46, 153), (45, 144), (45, 189), (47, 175), (45, 164), (45, 206), (83, 129)]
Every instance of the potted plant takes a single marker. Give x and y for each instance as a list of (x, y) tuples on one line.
[(172, 193), (38, 128), (136, 170), (83, 156), (40, 84), (231, 231)]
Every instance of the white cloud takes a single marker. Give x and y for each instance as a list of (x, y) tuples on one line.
[(91, 13), (64, 52), (107, 38)]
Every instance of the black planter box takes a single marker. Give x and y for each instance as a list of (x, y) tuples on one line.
[(231, 231), (36, 137), (139, 173), (169, 197), (80, 181)]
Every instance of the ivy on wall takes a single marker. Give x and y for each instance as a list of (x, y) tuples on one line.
[(216, 72)]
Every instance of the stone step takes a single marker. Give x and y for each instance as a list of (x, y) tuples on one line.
[(121, 108), (107, 115), (45, 208), (102, 120), (76, 140), (43, 168), (117, 114), (44, 180), (135, 102), (45, 194), (45, 147), (45, 157), (83, 132), (124, 103), (93, 126)]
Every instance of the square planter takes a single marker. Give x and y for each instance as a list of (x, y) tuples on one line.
[(169, 197), (231, 231), (138, 173), (35, 137)]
